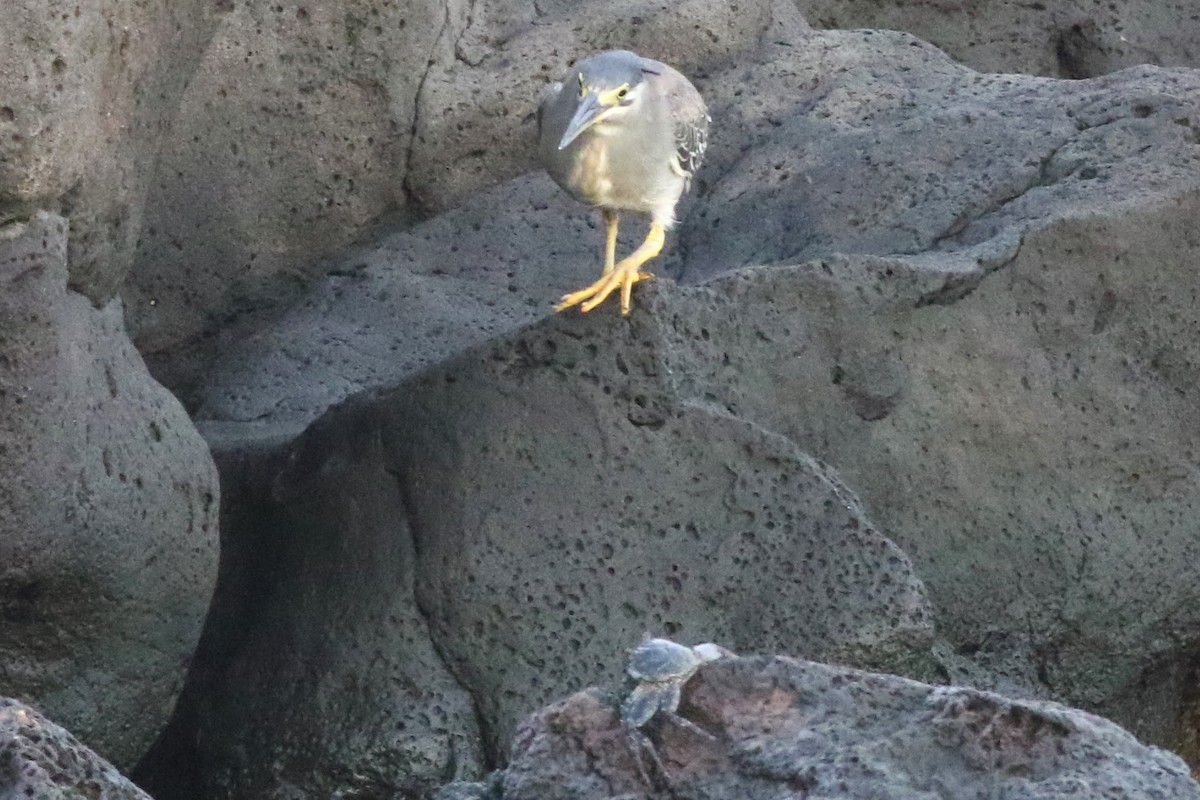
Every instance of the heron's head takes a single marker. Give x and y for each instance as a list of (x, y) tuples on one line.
[(610, 88)]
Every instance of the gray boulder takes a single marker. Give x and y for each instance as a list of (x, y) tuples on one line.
[(85, 93), (441, 566), (564, 500), (1059, 38), (779, 727), (968, 163), (411, 300), (292, 137), (108, 509), (42, 761), (317, 675), (401, 110), (1022, 429), (834, 154), (984, 330)]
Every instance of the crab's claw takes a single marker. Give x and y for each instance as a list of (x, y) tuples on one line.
[(646, 700)]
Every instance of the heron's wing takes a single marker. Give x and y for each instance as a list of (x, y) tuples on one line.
[(690, 116)]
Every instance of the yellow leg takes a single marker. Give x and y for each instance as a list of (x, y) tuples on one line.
[(610, 243), (624, 274)]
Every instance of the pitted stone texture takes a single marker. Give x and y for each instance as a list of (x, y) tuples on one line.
[(1025, 432), (923, 155), (476, 114), (316, 677), (108, 506), (401, 110), (292, 137), (499, 261), (41, 760), (469, 790), (1060, 38), (405, 303), (563, 502), (537, 554), (903, 371), (788, 728), (86, 90)]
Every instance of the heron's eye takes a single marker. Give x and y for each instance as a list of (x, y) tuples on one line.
[(623, 93)]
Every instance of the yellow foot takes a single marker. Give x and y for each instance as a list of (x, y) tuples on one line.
[(624, 274), (594, 295)]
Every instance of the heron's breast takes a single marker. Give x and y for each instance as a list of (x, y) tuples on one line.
[(603, 174), (591, 174)]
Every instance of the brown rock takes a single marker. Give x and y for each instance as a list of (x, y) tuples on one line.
[(779, 727), (40, 760)]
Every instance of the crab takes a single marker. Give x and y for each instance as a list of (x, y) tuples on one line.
[(661, 668)]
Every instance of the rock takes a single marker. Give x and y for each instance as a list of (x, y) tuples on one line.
[(85, 93), (39, 759), (984, 329), (469, 790), (833, 155), (292, 138), (1062, 39), (1001, 449), (437, 564), (783, 727), (403, 110), (413, 299), (317, 675), (499, 261), (1037, 422), (556, 472), (108, 509)]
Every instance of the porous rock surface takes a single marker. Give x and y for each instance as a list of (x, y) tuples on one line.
[(636, 512), (86, 90), (304, 125), (293, 136), (833, 153), (108, 507), (406, 303), (530, 556), (967, 163), (781, 727), (977, 306), (1061, 38), (1025, 436), (317, 675), (42, 761)]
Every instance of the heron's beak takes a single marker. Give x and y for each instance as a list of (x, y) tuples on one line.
[(588, 114)]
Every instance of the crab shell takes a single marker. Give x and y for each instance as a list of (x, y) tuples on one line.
[(664, 660), (662, 667)]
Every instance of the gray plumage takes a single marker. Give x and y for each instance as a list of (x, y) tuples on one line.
[(623, 133), (643, 154)]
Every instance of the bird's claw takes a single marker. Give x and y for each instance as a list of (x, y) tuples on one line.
[(594, 295)]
